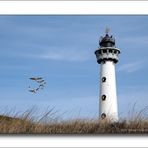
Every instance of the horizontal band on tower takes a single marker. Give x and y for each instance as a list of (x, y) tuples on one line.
[(107, 54)]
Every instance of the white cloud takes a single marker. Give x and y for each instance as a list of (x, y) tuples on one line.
[(66, 55), (131, 67), (62, 55)]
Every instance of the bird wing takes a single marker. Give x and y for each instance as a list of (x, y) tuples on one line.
[(36, 78), (40, 81), (39, 78), (33, 78), (32, 90)]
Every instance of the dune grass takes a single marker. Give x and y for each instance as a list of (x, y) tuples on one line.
[(48, 124)]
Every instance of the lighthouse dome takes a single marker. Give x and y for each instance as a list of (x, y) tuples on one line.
[(107, 41)]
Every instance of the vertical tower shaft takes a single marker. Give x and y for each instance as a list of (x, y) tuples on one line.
[(107, 57), (108, 95)]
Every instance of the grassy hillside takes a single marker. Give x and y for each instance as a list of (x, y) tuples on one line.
[(25, 125)]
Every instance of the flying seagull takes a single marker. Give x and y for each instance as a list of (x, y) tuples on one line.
[(41, 84), (32, 90)]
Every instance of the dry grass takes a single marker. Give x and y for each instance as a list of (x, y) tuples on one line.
[(27, 124)]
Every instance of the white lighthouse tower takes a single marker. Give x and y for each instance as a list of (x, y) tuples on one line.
[(107, 57)]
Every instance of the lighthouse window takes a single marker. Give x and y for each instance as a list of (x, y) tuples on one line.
[(103, 115), (103, 97), (115, 51), (110, 51), (104, 79), (104, 51)]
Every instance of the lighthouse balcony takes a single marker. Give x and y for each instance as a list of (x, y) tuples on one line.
[(107, 54)]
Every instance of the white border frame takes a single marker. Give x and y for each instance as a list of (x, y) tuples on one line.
[(72, 142), (73, 8)]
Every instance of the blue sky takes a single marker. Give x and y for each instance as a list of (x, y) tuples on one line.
[(61, 50)]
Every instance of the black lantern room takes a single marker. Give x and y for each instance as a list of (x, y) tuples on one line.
[(107, 41)]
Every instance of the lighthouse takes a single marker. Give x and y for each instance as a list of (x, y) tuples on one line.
[(107, 56)]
